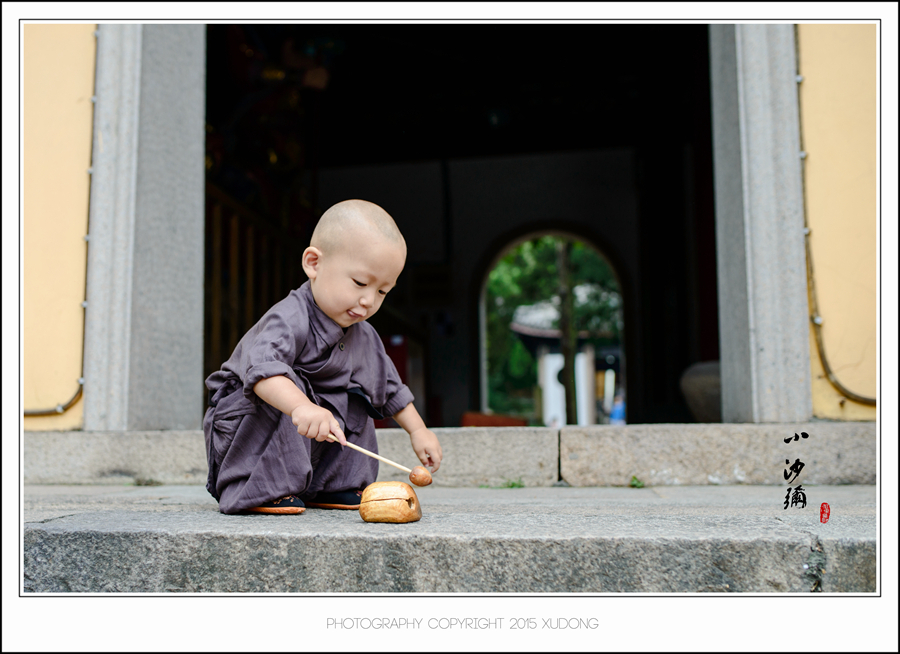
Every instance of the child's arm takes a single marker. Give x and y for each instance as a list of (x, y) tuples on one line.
[(424, 441), (310, 419)]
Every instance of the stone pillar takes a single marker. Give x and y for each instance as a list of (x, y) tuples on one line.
[(144, 318), (763, 312)]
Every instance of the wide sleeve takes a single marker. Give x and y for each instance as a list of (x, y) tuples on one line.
[(272, 346), (396, 394), (378, 377)]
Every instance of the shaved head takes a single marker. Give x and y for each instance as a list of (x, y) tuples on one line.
[(354, 259), (351, 219)]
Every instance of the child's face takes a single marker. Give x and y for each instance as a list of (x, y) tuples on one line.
[(350, 283)]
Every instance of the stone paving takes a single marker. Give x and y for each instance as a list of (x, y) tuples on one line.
[(667, 539)]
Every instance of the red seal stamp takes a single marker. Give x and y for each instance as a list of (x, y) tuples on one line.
[(824, 512)]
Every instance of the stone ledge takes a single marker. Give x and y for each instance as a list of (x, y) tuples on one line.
[(697, 454), (664, 454), (473, 456), (115, 457), (469, 540), (479, 456)]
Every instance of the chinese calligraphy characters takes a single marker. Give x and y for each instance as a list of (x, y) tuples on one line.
[(795, 469), (796, 437), (796, 496)]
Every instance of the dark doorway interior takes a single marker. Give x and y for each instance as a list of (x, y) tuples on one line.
[(286, 101)]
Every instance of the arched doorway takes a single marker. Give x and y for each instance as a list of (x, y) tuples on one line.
[(538, 289)]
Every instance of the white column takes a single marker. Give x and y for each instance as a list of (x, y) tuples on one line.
[(763, 314), (586, 386), (144, 317), (107, 339)]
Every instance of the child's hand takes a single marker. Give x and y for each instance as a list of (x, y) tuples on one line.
[(316, 422), (310, 419), (427, 447)]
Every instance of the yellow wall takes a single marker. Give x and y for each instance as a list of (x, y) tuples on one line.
[(838, 124), (59, 64)]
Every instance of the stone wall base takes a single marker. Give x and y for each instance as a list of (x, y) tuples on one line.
[(656, 454)]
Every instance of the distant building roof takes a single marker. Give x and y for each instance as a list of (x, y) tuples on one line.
[(540, 319), (541, 316)]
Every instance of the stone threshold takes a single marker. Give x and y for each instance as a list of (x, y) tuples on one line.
[(602, 455), (675, 539)]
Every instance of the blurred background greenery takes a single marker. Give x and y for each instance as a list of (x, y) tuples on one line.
[(524, 287)]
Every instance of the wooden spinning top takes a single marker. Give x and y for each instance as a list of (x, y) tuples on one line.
[(389, 501)]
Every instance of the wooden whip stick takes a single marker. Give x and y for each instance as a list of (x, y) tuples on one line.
[(418, 475)]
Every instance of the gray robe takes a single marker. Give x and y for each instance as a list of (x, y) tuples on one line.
[(253, 450)]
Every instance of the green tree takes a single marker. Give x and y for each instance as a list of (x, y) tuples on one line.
[(529, 274)]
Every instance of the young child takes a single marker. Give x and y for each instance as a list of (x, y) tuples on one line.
[(312, 367)]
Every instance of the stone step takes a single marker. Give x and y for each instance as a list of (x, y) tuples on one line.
[(657, 454), (672, 539)]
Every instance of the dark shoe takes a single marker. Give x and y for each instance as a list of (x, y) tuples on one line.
[(284, 505), (339, 500)]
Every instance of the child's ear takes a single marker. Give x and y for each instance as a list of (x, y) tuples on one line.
[(311, 258)]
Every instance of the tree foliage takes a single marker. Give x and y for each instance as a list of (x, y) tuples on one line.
[(528, 275)]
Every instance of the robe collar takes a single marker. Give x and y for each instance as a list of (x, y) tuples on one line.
[(325, 328)]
